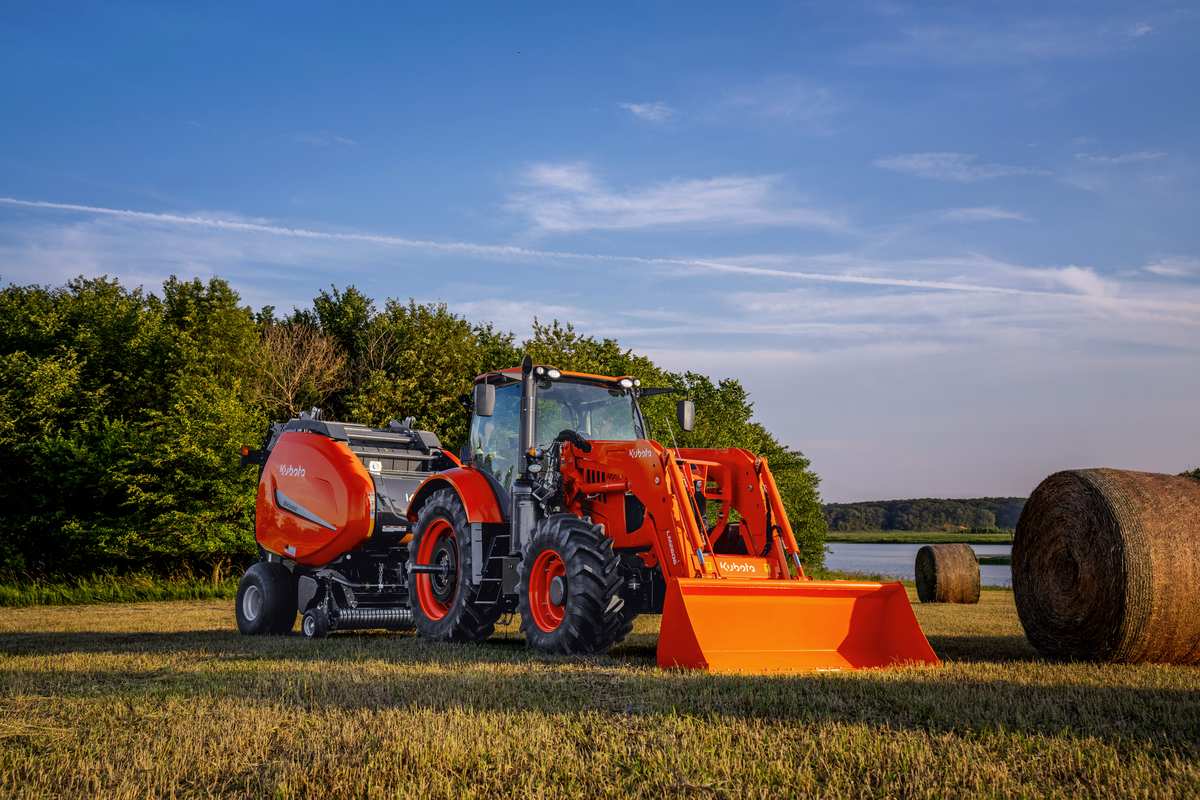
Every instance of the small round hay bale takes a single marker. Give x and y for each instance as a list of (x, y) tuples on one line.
[(947, 573), (1106, 567)]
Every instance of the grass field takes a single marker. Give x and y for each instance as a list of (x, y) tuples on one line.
[(167, 700), (918, 537), (23, 591)]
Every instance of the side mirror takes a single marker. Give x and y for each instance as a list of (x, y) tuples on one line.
[(685, 414), (485, 399)]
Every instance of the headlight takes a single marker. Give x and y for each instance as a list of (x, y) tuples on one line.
[(637, 381), (541, 370), (626, 382), (553, 373)]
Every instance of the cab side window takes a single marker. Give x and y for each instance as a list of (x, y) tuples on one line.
[(493, 440)]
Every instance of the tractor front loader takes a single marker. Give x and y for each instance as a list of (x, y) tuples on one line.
[(563, 509)]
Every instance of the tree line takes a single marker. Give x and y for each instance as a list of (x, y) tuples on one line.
[(122, 411), (925, 514)]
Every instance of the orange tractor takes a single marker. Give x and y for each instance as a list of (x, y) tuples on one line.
[(560, 508)]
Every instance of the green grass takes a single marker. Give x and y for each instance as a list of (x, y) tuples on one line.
[(996, 560), (17, 591), (167, 700), (920, 537)]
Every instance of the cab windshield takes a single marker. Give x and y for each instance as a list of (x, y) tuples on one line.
[(593, 410)]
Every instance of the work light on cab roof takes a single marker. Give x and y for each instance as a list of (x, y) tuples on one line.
[(563, 508)]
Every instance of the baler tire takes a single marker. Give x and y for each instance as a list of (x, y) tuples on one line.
[(591, 620), (461, 620), (266, 600), (315, 624)]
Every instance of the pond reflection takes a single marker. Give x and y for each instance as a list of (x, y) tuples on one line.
[(897, 560)]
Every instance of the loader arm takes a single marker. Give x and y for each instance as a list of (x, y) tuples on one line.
[(717, 618)]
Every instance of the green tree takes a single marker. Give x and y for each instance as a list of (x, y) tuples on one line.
[(417, 360), (119, 420)]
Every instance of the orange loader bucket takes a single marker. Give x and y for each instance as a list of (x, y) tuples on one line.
[(737, 625)]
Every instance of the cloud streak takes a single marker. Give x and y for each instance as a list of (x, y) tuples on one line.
[(1072, 284), (650, 112), (563, 198), (323, 139), (1128, 158), (785, 101), (958, 167), (1002, 42), (982, 214)]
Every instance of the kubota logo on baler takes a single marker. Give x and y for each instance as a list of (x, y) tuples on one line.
[(290, 471)]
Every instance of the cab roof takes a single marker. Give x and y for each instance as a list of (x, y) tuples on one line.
[(515, 372)]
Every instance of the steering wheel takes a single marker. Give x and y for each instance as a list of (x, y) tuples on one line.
[(574, 438)]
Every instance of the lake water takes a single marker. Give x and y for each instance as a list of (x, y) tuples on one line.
[(898, 560)]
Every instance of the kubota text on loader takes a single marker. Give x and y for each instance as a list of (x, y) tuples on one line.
[(563, 509)]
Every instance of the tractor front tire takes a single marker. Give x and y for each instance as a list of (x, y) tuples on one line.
[(443, 605), (266, 600), (568, 584)]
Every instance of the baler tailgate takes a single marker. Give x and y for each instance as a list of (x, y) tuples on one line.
[(780, 625)]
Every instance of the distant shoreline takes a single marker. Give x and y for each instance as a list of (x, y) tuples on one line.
[(918, 537)]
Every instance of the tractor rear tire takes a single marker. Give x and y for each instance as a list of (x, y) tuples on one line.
[(444, 608), (266, 600), (568, 584)]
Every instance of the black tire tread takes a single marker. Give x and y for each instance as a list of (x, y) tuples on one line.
[(278, 588), (594, 622), (465, 622)]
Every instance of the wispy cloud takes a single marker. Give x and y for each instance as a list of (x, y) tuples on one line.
[(322, 139), (1128, 158), (650, 112), (1002, 42), (787, 101), (982, 214), (958, 167), (569, 197), (252, 253), (1174, 266)]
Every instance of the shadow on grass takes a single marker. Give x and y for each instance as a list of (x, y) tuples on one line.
[(1013, 691), (978, 649), (640, 649)]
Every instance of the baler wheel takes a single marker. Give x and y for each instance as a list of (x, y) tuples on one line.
[(315, 624), (568, 589), (266, 600), (444, 608)]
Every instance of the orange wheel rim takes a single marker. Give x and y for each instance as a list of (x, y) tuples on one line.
[(546, 567), (429, 587)]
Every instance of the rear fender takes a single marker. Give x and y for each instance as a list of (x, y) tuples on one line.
[(472, 488)]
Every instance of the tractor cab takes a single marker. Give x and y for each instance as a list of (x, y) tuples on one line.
[(592, 407)]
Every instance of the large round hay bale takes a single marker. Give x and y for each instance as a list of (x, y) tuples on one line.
[(947, 573), (1106, 567)]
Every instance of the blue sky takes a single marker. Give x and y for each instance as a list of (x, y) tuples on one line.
[(949, 248)]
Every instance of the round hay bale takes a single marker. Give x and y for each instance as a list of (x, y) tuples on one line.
[(947, 573), (1106, 567)]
